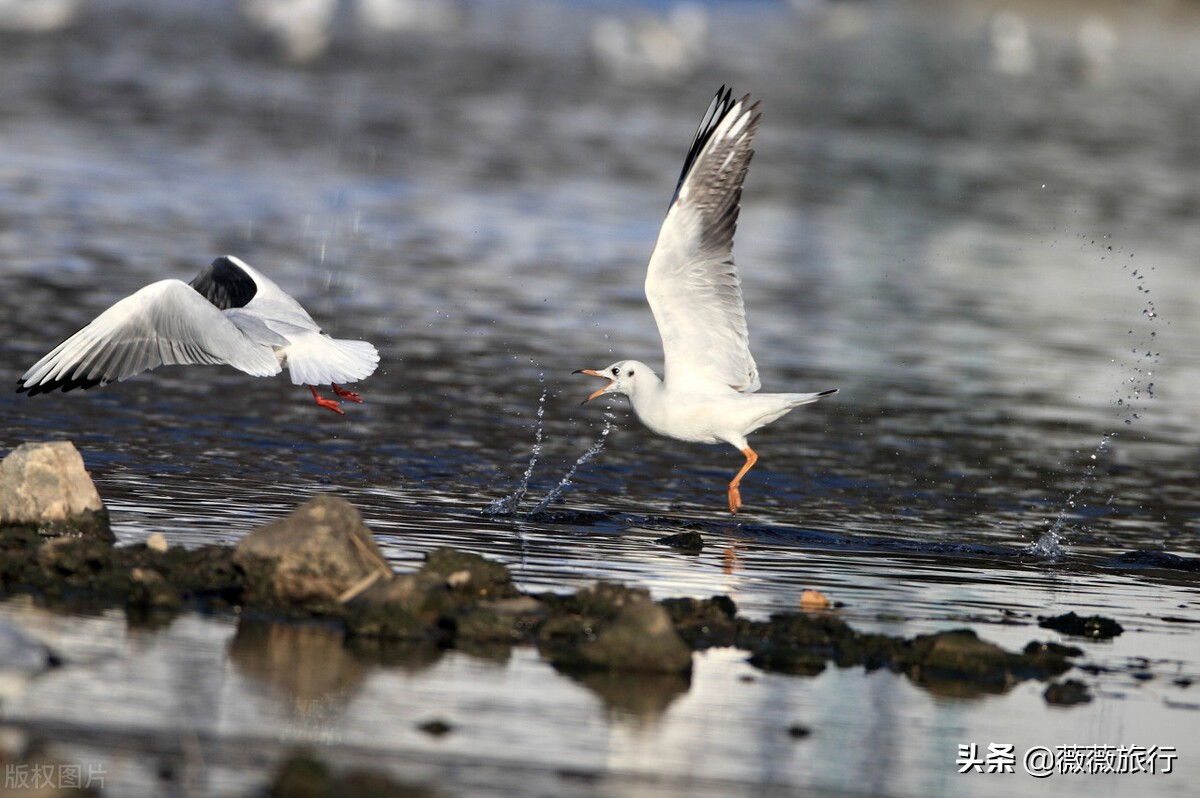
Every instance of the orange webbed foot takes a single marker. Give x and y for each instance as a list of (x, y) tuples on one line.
[(328, 404), (349, 396)]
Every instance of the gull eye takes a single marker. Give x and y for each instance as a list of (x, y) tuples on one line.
[(616, 372), (631, 373)]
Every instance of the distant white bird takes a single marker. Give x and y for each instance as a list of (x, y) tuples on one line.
[(229, 314), (302, 29), (707, 394), (651, 49), (37, 16), (1012, 50), (1096, 44), (394, 17)]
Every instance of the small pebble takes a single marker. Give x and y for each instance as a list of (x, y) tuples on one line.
[(157, 542), (814, 600), (435, 728), (458, 579)]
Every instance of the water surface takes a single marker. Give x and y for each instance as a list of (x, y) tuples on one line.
[(996, 270)]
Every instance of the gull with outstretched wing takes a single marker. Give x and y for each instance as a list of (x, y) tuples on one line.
[(229, 314), (707, 391)]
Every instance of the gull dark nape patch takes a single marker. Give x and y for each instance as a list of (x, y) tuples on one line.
[(225, 285)]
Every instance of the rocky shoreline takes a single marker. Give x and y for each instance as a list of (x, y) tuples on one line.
[(321, 562)]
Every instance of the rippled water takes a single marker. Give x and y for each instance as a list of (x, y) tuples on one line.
[(997, 270)]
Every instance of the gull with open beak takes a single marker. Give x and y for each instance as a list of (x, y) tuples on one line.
[(707, 392)]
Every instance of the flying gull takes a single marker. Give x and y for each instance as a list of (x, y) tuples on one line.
[(707, 393), (229, 314)]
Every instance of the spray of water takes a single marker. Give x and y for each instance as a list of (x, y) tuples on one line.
[(565, 482), (508, 504), (1050, 543), (1135, 391)]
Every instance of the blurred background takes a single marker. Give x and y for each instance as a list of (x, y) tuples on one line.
[(979, 219)]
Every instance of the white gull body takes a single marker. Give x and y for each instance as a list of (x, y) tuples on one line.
[(707, 393), (229, 314)]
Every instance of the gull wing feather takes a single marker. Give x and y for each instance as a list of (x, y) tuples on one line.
[(692, 283), (165, 323)]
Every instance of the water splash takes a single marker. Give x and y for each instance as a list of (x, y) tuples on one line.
[(565, 482), (508, 504), (1050, 543), (1129, 405)]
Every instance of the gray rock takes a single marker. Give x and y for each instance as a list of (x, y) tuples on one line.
[(314, 555), (45, 486), (614, 628), (1068, 693), (641, 639), (405, 607)]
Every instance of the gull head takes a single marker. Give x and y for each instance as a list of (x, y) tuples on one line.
[(623, 377)]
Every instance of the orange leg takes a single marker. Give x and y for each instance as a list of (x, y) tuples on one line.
[(735, 496), (350, 396), (328, 404)]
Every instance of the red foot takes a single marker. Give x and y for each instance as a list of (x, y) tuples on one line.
[(349, 396), (328, 404)]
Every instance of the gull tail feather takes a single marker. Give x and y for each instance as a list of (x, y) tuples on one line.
[(317, 359), (797, 399)]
